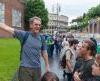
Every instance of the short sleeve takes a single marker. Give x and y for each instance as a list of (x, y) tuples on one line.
[(19, 34)]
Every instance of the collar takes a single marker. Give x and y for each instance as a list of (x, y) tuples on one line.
[(34, 34)]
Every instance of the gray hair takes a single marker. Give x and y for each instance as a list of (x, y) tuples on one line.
[(33, 18)]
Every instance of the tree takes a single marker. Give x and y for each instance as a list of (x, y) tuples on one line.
[(78, 23), (94, 12), (35, 8), (82, 21)]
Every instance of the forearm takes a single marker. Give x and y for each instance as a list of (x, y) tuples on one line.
[(6, 28), (45, 57), (95, 70), (69, 66)]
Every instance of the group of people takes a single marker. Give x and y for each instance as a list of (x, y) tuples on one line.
[(82, 63), (54, 44)]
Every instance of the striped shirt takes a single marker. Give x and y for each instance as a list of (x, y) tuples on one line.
[(30, 55)]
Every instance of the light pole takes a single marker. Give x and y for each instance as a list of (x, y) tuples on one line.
[(58, 10)]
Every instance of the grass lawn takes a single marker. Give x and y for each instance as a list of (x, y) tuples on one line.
[(9, 58)]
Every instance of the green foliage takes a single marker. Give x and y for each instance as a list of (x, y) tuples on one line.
[(94, 12), (80, 23), (35, 8), (83, 20), (9, 58), (78, 19)]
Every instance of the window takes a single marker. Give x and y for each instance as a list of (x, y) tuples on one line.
[(2, 10), (16, 18)]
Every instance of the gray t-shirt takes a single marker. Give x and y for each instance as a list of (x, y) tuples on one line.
[(70, 56), (32, 49)]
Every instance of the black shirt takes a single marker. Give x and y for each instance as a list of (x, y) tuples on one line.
[(86, 70)]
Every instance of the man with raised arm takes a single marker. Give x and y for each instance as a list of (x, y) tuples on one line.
[(34, 47)]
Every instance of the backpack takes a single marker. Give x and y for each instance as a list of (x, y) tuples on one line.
[(63, 59), (15, 77), (24, 40)]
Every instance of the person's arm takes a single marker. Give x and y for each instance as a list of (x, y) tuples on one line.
[(95, 70), (44, 52), (6, 28), (19, 34), (45, 57), (68, 61), (68, 64), (76, 76)]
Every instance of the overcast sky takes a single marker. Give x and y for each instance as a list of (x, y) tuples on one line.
[(72, 8)]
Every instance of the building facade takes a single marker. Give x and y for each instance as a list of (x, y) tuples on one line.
[(11, 13), (94, 26), (56, 23)]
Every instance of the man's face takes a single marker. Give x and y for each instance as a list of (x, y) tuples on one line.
[(35, 26), (83, 49)]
